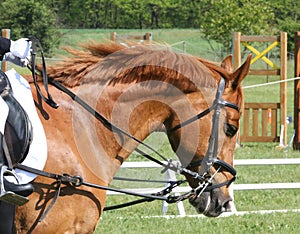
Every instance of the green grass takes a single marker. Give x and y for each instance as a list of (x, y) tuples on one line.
[(252, 223), (195, 43)]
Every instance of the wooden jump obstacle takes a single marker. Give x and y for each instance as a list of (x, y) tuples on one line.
[(256, 116), (147, 37), (297, 93), (263, 118)]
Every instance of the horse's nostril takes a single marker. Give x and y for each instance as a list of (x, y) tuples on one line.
[(228, 206)]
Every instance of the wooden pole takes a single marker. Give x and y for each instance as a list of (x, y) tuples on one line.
[(6, 34), (297, 93), (283, 85), (148, 37), (184, 46), (237, 50), (113, 36), (237, 58)]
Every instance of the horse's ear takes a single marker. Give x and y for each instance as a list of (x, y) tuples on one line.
[(238, 75), (227, 63)]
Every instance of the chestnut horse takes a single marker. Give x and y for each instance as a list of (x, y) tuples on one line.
[(140, 89)]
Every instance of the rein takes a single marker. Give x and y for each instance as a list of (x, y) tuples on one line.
[(204, 177), (49, 100)]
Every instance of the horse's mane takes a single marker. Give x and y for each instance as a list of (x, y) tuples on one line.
[(132, 64)]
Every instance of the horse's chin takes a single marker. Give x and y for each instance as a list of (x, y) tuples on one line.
[(209, 205)]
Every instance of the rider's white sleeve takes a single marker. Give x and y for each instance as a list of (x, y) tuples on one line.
[(21, 48)]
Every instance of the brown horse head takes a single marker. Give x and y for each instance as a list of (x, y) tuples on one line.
[(212, 202)]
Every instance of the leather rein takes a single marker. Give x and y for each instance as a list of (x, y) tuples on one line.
[(204, 177)]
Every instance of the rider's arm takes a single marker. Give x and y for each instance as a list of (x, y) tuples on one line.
[(4, 46), (17, 52)]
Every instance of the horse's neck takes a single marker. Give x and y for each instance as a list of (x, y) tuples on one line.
[(70, 142), (138, 113), (92, 143), (136, 110)]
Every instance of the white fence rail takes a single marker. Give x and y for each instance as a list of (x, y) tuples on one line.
[(238, 162)]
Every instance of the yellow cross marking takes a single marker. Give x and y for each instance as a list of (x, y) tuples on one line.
[(262, 54)]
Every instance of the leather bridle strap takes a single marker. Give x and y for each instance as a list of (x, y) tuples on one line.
[(212, 149), (211, 153), (218, 101), (196, 117), (36, 43), (109, 125), (218, 163)]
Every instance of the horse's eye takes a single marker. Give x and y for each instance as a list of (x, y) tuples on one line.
[(230, 130)]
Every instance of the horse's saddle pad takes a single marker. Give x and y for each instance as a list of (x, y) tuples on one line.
[(18, 129)]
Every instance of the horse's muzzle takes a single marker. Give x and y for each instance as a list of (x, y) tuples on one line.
[(210, 204)]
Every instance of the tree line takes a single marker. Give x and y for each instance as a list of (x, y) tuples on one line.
[(216, 19)]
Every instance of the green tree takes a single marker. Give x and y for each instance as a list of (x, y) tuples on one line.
[(220, 18), (30, 18), (184, 14), (73, 14), (217, 19), (287, 18)]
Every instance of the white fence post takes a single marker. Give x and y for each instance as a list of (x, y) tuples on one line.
[(170, 176)]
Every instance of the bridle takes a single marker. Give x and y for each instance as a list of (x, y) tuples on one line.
[(210, 159)]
